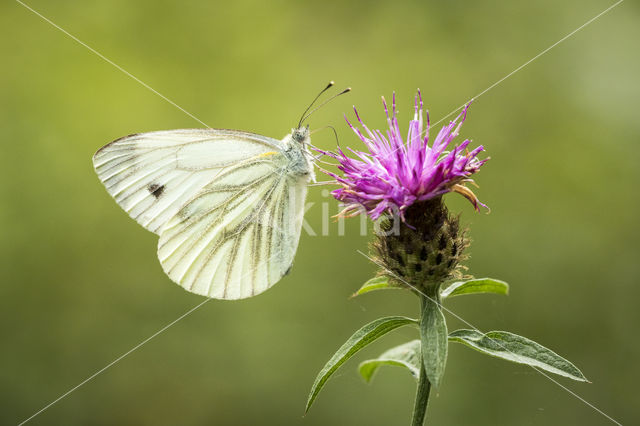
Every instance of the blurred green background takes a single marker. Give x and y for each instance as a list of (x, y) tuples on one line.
[(81, 283)]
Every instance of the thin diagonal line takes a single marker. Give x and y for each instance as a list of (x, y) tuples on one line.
[(190, 311), (530, 61), (500, 344), (113, 63)]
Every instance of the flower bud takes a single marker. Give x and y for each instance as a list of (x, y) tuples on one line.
[(427, 248)]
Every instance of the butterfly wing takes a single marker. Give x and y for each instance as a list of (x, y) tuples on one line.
[(152, 175), (225, 204), (238, 237)]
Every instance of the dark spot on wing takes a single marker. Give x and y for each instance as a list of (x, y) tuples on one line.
[(288, 270), (156, 190)]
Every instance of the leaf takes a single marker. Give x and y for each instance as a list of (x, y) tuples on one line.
[(406, 355), (433, 332), (521, 350), (376, 283), (361, 338), (476, 285)]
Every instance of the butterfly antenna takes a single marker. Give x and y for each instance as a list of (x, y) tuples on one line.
[(331, 83), (335, 133), (304, 117)]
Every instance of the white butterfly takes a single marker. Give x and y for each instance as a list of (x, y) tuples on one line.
[(228, 205)]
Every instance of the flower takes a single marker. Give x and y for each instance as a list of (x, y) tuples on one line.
[(394, 175)]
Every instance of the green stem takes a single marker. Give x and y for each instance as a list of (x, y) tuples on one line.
[(424, 386), (422, 398)]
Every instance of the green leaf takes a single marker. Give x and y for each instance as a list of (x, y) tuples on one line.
[(433, 332), (406, 355), (476, 285), (377, 283), (521, 350), (361, 338)]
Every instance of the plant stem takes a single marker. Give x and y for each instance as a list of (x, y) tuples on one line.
[(422, 398), (424, 386)]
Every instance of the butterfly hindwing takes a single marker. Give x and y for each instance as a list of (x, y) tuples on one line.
[(233, 242)]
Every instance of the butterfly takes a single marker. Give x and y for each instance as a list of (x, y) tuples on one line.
[(228, 205)]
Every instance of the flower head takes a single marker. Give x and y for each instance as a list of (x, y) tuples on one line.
[(393, 175)]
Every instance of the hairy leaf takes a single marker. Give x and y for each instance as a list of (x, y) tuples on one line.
[(433, 333), (512, 347), (406, 355), (361, 338), (476, 285), (377, 283)]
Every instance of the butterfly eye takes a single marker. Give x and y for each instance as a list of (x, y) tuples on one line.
[(300, 134)]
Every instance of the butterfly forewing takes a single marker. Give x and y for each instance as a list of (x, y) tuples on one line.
[(152, 175)]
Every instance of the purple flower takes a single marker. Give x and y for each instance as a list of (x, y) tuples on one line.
[(393, 175)]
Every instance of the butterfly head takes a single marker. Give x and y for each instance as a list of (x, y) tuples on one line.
[(301, 134)]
